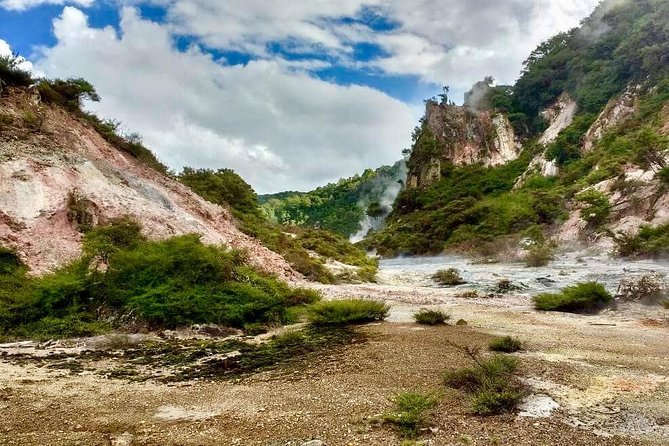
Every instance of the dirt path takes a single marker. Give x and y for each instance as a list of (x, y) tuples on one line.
[(609, 374)]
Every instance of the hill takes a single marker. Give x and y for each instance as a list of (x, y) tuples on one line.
[(341, 207)]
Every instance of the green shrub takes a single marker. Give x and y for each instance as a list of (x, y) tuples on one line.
[(665, 304), (663, 176), (431, 317), (583, 297), (596, 208), (69, 93), (169, 283), (648, 242), (539, 255), (491, 382), (492, 401), (506, 344), (411, 412), (11, 74), (448, 277), (347, 311)]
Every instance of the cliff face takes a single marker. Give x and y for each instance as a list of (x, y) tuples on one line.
[(50, 159), (460, 137)]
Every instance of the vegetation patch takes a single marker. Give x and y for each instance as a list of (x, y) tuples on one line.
[(648, 242), (178, 360), (295, 244), (539, 255), (448, 277), (588, 297), (491, 383), (411, 412), (431, 317), (347, 311), (122, 278), (506, 344)]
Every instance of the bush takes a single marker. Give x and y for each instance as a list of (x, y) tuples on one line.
[(431, 317), (449, 277), (648, 242), (507, 344), (596, 208), (11, 74), (491, 383), (538, 255), (583, 297), (411, 412), (347, 311), (69, 93), (169, 283)]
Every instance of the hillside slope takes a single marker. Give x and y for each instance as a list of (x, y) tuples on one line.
[(578, 154), (58, 173)]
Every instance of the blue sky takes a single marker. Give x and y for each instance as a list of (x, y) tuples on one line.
[(290, 94)]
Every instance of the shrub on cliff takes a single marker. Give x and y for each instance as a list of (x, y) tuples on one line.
[(11, 74), (585, 297)]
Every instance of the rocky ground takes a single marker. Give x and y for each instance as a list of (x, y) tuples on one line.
[(609, 374)]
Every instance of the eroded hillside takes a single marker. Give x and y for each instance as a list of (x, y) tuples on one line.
[(57, 174)]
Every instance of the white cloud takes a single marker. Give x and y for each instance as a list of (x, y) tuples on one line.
[(6, 50), (441, 41), (21, 5), (277, 126)]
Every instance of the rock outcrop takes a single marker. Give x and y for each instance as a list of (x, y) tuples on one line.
[(463, 136), (615, 112), (559, 116), (44, 167)]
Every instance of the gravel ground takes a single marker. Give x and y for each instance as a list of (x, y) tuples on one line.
[(608, 373)]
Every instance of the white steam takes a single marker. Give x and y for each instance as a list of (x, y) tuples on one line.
[(390, 187)]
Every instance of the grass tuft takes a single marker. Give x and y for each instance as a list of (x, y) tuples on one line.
[(506, 344), (411, 412), (491, 382)]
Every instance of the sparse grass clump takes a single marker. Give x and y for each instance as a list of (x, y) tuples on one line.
[(431, 317), (491, 383), (665, 304), (347, 311), (411, 412), (506, 344), (448, 277), (11, 73), (585, 297)]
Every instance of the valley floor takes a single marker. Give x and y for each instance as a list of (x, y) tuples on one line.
[(609, 373)]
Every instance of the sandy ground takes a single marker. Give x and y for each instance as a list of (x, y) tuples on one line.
[(608, 373)]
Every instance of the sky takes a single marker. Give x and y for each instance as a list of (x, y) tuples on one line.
[(291, 94)]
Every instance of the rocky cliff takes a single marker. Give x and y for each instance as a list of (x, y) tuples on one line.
[(52, 162), (460, 136)]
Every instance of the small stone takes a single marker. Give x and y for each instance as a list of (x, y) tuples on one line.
[(314, 443), (461, 322)]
